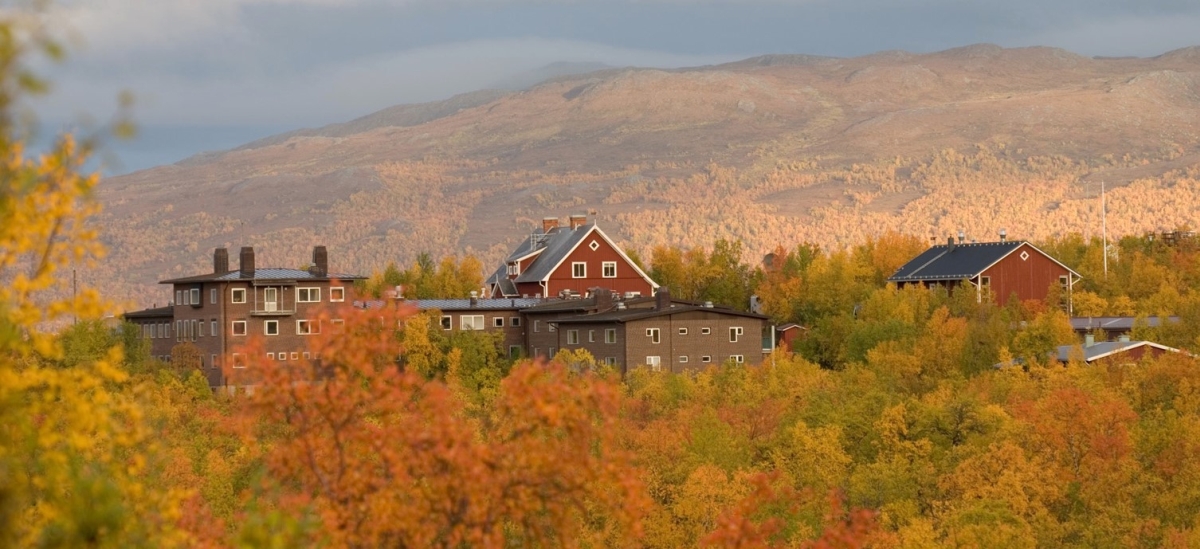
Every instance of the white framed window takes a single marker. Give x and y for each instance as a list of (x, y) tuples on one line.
[(307, 327), (551, 327), (447, 322), (610, 335), (271, 327), (339, 326), (706, 359), (655, 363), (552, 351), (238, 360), (734, 333), (537, 326), (514, 321), (179, 297), (653, 334), (308, 295), (608, 269), (200, 328), (337, 294), (610, 361), (162, 329), (683, 359), (591, 336), (737, 358), (212, 296), (295, 355), (471, 322), (514, 268), (683, 331), (237, 295), (238, 328), (271, 356), (578, 269), (498, 322), (705, 331), (594, 245), (572, 337), (196, 296), (212, 327), (212, 361)]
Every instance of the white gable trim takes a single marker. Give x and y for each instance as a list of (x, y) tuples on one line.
[(596, 230), (1134, 345), (1035, 248)]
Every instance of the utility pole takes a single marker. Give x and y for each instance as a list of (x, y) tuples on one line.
[(74, 296), (1104, 228)]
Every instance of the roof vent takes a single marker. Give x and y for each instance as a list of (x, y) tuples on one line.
[(708, 305), (474, 298), (962, 236), (1003, 235), (620, 305)]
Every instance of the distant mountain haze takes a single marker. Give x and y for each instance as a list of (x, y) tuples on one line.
[(772, 150)]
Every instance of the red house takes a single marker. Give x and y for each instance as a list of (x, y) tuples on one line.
[(571, 258), (993, 270)]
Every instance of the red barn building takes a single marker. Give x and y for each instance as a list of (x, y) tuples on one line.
[(571, 258), (993, 270)]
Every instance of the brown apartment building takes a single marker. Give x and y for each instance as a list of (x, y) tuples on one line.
[(217, 312)]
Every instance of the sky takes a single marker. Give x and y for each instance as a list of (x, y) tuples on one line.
[(212, 74)]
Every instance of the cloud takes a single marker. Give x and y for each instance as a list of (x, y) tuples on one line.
[(1123, 36)]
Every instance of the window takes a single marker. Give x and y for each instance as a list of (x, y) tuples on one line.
[(471, 322), (737, 358), (608, 269), (237, 295), (1065, 282), (192, 329), (212, 361), (179, 297), (594, 245), (552, 351), (271, 356), (514, 269), (447, 322), (212, 296), (212, 327), (308, 295), (295, 355), (514, 351), (238, 361), (162, 329), (177, 330), (196, 296), (683, 359), (337, 294), (610, 361), (498, 322), (706, 359), (654, 363), (572, 337), (683, 331), (239, 328), (578, 269), (591, 336), (307, 355), (339, 326), (551, 327), (271, 327), (610, 335), (734, 333), (652, 333), (200, 329), (514, 321), (307, 327), (537, 326), (705, 331)]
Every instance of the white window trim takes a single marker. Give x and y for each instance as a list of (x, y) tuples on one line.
[(337, 290), (655, 363), (212, 327), (735, 333), (309, 298), (196, 297), (179, 297), (476, 322), (683, 359), (233, 328), (233, 295), (237, 360), (683, 331), (740, 359), (654, 334), (267, 323), (514, 321), (447, 322), (498, 322), (591, 336), (610, 361), (706, 358), (575, 264), (314, 327), (705, 331), (212, 296), (610, 332), (572, 337), (604, 269)]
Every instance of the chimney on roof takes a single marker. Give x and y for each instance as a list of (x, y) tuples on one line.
[(320, 262), (220, 261), (578, 220), (662, 298), (1003, 235), (1089, 340), (474, 298), (604, 299), (549, 223), (247, 262), (950, 242)]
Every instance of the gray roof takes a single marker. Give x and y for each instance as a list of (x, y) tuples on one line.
[(1081, 324), (558, 243), (268, 273), (1103, 349), (626, 315), (456, 304), (157, 312), (962, 261)]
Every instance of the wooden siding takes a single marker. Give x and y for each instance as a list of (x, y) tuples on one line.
[(1027, 278), (627, 279)]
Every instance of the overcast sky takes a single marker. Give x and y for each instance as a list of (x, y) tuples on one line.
[(210, 74)]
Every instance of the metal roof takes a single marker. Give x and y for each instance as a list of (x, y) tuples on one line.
[(1117, 322), (559, 242), (945, 262), (626, 315), (1104, 349), (157, 312), (480, 304)]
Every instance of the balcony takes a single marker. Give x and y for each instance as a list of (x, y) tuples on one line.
[(271, 308)]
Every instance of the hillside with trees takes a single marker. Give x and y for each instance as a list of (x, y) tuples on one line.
[(766, 152)]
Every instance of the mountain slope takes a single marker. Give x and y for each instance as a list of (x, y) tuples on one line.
[(770, 150)]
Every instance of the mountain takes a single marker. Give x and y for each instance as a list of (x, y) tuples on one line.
[(771, 150)]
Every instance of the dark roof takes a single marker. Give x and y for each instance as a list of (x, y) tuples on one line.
[(269, 273), (455, 304), (1104, 349), (1116, 322), (558, 243), (961, 261), (626, 315), (157, 312)]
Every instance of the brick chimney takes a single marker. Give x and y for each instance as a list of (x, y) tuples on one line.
[(320, 262), (220, 261), (578, 220), (662, 298), (549, 223), (247, 262), (604, 299)]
